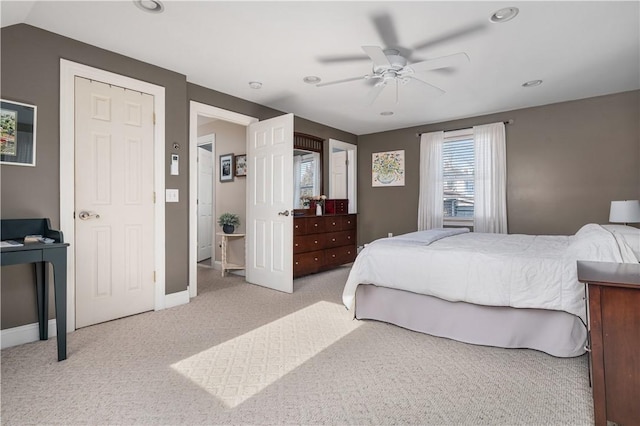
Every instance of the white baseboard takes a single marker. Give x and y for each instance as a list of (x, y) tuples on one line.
[(176, 299), (31, 333), (25, 334)]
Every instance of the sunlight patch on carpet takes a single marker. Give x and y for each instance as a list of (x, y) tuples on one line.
[(239, 368)]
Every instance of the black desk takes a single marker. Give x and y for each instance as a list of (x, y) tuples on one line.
[(39, 253)]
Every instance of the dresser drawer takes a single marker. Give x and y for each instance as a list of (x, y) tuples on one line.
[(305, 243), (332, 223), (314, 225), (340, 255), (348, 221), (308, 263), (299, 226), (342, 238)]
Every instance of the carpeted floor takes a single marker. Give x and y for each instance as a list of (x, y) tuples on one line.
[(242, 354)]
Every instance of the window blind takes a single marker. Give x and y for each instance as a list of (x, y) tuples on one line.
[(458, 178), (307, 177)]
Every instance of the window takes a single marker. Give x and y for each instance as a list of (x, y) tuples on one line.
[(307, 176), (458, 176)]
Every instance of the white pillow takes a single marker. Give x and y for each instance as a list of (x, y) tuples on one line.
[(630, 234)]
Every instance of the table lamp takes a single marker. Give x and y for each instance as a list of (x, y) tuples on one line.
[(627, 211)]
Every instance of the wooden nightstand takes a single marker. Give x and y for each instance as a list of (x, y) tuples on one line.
[(226, 266), (614, 320)]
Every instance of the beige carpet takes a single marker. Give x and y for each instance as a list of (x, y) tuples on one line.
[(241, 354)]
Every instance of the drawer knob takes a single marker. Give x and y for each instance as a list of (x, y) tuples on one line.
[(333, 255), (316, 242), (334, 224), (296, 263), (315, 224), (296, 244), (316, 259), (349, 237), (333, 239)]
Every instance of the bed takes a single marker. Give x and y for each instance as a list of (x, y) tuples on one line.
[(512, 291)]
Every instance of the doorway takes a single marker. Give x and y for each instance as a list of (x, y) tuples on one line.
[(68, 72), (200, 114), (343, 170), (206, 197)]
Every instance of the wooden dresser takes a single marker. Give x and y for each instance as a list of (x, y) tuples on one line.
[(323, 242), (614, 320)]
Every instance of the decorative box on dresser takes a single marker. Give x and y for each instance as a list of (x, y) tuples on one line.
[(323, 242), (613, 293)]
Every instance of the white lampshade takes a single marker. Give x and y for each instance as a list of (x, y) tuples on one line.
[(627, 211)]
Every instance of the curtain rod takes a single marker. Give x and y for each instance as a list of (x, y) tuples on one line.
[(462, 128)]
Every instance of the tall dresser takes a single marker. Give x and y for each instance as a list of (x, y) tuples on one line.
[(323, 242)]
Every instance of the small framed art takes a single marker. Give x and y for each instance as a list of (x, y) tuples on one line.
[(18, 133), (241, 165), (226, 168)]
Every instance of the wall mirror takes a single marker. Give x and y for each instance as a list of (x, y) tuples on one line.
[(343, 172), (307, 168)]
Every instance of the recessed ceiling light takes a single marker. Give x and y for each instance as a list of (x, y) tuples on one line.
[(504, 15), (153, 6), (386, 113), (532, 83), (255, 84), (311, 79)]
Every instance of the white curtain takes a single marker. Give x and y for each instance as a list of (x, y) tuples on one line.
[(430, 201), (490, 209), (316, 174), (297, 166)]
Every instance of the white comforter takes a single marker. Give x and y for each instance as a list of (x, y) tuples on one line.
[(521, 271)]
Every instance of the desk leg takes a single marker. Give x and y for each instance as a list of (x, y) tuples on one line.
[(58, 259), (42, 293)]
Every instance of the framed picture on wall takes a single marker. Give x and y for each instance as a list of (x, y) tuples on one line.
[(241, 165), (226, 168), (17, 133), (387, 168)]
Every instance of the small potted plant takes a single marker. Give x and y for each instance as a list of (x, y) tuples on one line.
[(228, 221)]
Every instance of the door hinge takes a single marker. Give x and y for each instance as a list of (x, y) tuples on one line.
[(154, 276), (154, 197), (154, 118)]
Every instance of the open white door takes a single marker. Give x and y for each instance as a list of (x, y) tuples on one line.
[(269, 259)]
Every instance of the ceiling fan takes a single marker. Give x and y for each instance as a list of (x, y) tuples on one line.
[(390, 67), (391, 64)]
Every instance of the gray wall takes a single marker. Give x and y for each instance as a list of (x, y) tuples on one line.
[(30, 60), (565, 163)]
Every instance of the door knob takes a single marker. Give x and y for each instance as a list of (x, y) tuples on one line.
[(284, 213), (85, 215)]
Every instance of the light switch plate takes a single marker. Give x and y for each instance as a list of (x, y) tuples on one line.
[(171, 196)]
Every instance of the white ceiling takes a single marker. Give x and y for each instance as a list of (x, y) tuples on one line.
[(579, 49)]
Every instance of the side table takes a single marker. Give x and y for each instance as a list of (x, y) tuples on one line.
[(226, 265)]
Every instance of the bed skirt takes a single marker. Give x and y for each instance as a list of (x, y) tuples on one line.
[(557, 333)]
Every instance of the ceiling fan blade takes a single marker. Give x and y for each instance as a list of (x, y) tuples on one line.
[(336, 59), (454, 60), (451, 36), (433, 89), (344, 80), (386, 29), (375, 92), (377, 56)]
